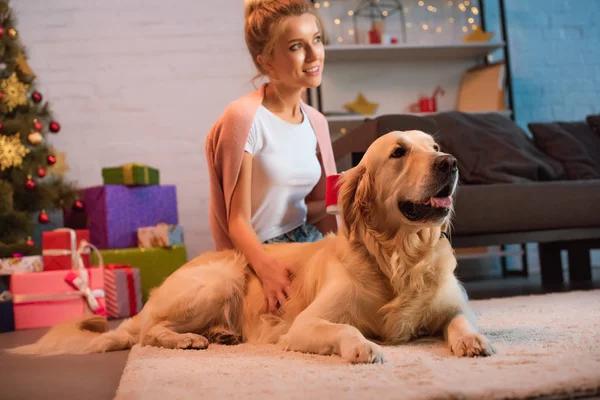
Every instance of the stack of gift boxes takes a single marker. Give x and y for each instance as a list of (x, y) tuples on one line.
[(127, 244)]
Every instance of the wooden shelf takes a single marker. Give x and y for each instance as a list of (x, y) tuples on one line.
[(407, 52), (360, 118)]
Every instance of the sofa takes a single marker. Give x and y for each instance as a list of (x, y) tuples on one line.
[(515, 188)]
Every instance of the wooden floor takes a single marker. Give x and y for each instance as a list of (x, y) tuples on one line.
[(97, 376)]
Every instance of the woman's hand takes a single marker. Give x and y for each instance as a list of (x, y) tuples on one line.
[(275, 278)]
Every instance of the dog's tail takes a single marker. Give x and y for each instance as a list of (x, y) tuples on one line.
[(83, 336)]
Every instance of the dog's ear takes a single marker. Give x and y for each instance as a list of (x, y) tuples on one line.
[(356, 196)]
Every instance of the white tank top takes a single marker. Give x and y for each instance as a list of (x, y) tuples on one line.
[(285, 169)]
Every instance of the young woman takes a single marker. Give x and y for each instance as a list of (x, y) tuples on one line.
[(269, 153)]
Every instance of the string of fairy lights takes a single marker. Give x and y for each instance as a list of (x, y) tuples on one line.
[(467, 13)]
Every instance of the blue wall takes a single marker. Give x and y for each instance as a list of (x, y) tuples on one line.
[(554, 47)]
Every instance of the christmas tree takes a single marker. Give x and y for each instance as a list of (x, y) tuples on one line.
[(28, 185)]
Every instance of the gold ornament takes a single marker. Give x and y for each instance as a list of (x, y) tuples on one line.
[(13, 33), (60, 167), (15, 92), (12, 151), (361, 105), (24, 66), (35, 138)]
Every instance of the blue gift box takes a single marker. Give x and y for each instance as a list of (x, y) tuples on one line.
[(115, 212), (7, 316)]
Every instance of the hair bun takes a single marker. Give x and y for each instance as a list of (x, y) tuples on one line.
[(250, 6)]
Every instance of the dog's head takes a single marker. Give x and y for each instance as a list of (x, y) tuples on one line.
[(404, 182)]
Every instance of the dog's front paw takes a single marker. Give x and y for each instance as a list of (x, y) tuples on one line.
[(191, 341), (472, 345), (363, 352)]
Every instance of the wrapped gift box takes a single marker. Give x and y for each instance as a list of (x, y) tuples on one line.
[(131, 174), (17, 265), (7, 317), (154, 264), (44, 299), (60, 248), (116, 212), (162, 235), (331, 194), (123, 289)]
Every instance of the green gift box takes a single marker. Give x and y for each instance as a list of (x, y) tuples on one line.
[(155, 264), (131, 174)]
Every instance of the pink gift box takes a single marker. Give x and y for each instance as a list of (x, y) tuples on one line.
[(331, 194), (44, 299)]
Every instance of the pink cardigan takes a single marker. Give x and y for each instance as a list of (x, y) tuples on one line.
[(224, 153)]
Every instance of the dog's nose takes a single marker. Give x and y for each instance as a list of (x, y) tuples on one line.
[(446, 163)]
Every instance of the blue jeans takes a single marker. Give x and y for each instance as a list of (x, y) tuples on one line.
[(303, 233)]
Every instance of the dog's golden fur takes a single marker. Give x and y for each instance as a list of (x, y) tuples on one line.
[(383, 280)]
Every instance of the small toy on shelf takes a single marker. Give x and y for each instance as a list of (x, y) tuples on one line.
[(427, 104)]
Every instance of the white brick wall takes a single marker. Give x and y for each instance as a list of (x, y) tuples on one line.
[(139, 81)]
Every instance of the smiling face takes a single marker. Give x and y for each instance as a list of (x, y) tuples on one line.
[(403, 180), (297, 55)]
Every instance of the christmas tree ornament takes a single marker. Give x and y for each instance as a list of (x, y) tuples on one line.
[(30, 242), (35, 138), (15, 92), (60, 167), (24, 68), (12, 151), (37, 125), (51, 159), (79, 206), (43, 218), (13, 33), (41, 172), (1, 126), (1, 31), (37, 97), (30, 184), (54, 127)]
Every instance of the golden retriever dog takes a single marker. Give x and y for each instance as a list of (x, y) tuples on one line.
[(385, 279)]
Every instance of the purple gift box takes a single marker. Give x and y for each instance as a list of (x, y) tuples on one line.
[(115, 212)]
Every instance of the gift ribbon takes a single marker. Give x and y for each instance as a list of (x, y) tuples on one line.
[(76, 282), (130, 285), (22, 299), (128, 173), (79, 277)]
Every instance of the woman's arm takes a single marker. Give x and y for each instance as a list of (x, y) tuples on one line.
[(273, 275)]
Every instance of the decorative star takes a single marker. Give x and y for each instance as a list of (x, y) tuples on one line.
[(361, 106)]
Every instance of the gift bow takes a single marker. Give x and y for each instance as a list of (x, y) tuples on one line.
[(80, 280), (77, 283)]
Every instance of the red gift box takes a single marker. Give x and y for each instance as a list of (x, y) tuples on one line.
[(62, 247), (331, 194)]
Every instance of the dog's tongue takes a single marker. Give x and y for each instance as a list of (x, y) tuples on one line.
[(441, 201)]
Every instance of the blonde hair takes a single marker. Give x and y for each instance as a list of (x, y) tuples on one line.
[(262, 17)]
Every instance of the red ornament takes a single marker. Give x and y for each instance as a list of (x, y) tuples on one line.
[(30, 184), (79, 205), (37, 97), (51, 159), (41, 172), (1, 95), (43, 217), (1, 126), (37, 125), (1, 31), (30, 242), (54, 127)]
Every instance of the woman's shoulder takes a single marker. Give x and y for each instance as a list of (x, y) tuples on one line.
[(243, 109)]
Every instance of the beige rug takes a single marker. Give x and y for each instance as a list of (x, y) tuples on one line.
[(548, 347)]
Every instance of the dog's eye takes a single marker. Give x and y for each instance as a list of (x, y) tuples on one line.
[(436, 147), (399, 152)]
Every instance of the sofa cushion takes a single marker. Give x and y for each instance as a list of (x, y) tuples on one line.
[(574, 144), (526, 206), (491, 148)]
